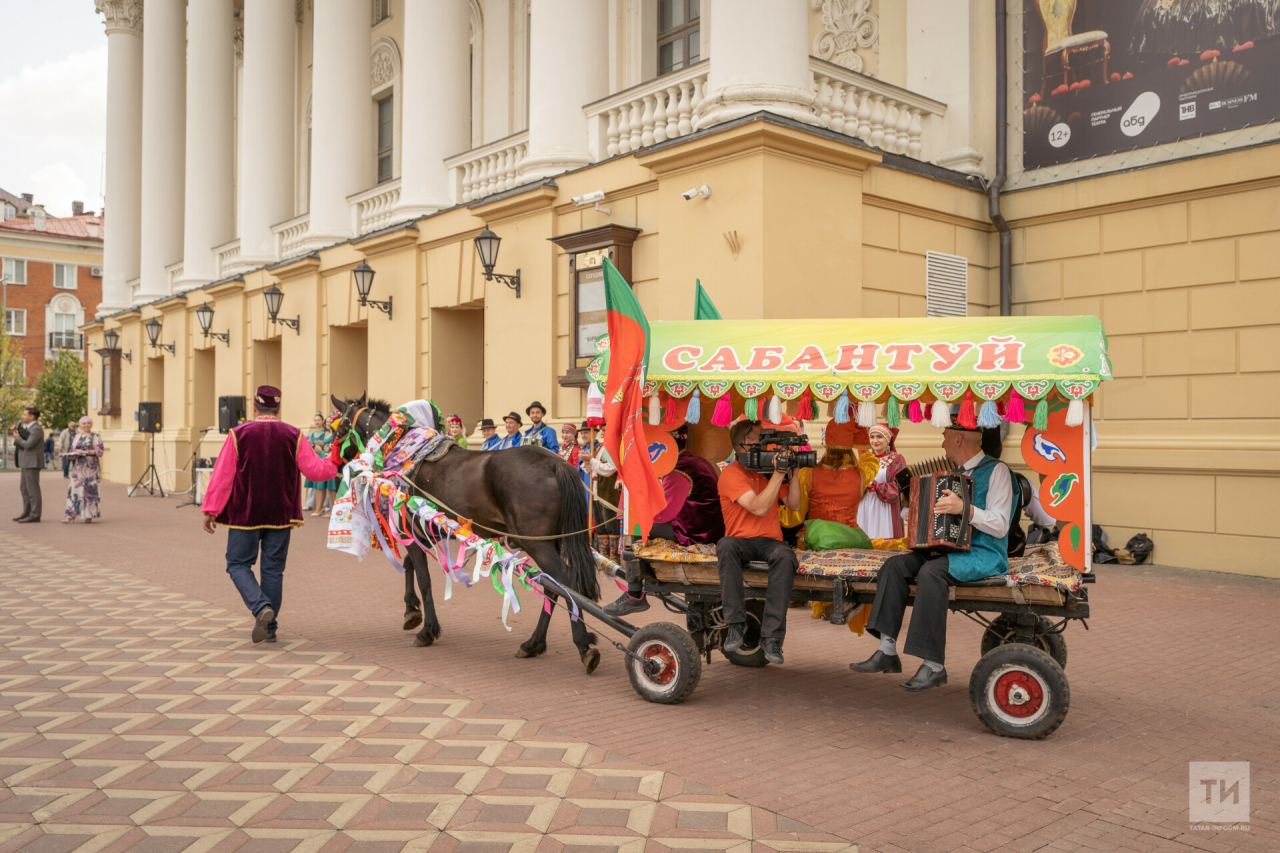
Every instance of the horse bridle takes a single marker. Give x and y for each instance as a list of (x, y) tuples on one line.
[(354, 423)]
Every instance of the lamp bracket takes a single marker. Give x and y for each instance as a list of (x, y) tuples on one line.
[(384, 307), (172, 348), (295, 324), (127, 356), (225, 337), (511, 281)]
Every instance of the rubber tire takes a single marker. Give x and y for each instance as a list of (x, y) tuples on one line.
[(1030, 658), (1054, 644), (750, 656), (688, 664)]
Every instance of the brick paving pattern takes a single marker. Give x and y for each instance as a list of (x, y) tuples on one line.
[(1178, 666)]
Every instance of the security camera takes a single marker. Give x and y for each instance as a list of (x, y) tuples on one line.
[(590, 198), (704, 191)]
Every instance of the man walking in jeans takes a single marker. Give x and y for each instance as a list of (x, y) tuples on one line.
[(749, 502), (29, 439), (254, 492)]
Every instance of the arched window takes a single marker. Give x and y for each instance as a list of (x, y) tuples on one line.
[(385, 74)]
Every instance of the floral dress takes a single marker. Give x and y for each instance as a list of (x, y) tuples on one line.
[(880, 512), (86, 473), (321, 441)]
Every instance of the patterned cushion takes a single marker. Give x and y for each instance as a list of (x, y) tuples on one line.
[(845, 562), (1042, 565), (664, 550)]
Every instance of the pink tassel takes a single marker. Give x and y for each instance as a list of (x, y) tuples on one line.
[(1014, 411), (914, 413), (723, 413)]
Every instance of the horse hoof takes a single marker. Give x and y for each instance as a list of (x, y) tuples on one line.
[(527, 651), (411, 621), (422, 642), (590, 660)]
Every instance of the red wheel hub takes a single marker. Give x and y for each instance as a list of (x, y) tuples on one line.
[(663, 655), (1019, 694)]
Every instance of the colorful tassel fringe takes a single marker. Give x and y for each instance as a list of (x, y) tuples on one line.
[(1075, 413), (723, 412), (751, 409), (941, 416), (804, 409), (914, 412), (988, 415), (694, 412), (775, 409), (655, 410), (866, 414), (965, 417), (1041, 420), (893, 412), (1015, 411), (842, 408)]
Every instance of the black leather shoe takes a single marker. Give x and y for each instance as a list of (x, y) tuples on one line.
[(925, 679), (271, 637), (878, 662), (772, 650), (261, 621), (20, 518), (734, 637), (28, 520), (626, 605)]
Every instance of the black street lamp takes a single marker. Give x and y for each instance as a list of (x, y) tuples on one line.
[(153, 334), (274, 297), (487, 245), (112, 340), (205, 315), (363, 275)]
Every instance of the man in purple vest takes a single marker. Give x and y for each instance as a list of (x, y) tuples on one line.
[(255, 493)]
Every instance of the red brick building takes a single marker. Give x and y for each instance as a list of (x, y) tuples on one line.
[(52, 269)]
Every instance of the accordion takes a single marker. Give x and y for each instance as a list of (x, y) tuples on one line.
[(940, 532)]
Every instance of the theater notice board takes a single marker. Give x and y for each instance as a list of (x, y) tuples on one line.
[(1113, 75)]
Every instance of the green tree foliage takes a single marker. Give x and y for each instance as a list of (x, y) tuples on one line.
[(62, 391), (14, 394)]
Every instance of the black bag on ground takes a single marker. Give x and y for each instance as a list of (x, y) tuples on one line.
[(1137, 550), (1101, 553)]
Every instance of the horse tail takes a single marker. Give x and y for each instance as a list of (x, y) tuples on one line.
[(575, 550)]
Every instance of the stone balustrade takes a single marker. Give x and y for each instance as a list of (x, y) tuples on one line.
[(291, 236), (882, 115), (226, 259), (488, 169), (374, 208), (173, 272), (653, 112)]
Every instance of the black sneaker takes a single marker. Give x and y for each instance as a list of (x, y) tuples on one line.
[(734, 638), (271, 637), (772, 649), (626, 605)]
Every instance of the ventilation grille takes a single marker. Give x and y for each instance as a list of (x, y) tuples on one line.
[(946, 285)]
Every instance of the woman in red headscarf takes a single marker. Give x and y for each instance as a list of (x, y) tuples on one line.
[(880, 512)]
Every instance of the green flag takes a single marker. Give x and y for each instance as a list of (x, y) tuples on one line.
[(703, 307)]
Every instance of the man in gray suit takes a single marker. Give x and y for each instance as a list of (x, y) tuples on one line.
[(29, 438)]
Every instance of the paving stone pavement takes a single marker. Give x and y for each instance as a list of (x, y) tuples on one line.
[(134, 717), (1178, 666)]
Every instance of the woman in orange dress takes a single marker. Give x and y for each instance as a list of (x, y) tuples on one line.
[(833, 490)]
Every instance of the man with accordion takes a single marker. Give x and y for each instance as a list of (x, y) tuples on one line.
[(982, 518)]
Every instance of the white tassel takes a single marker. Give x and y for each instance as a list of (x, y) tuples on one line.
[(867, 414), (775, 409), (1075, 413), (655, 410), (941, 414)]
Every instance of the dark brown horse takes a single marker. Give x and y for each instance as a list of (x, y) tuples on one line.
[(518, 494)]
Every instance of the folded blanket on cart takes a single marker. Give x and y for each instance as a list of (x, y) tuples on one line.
[(1041, 565)]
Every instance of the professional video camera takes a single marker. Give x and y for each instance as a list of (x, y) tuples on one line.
[(777, 444)]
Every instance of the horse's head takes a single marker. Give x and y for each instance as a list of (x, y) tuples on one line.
[(362, 415)]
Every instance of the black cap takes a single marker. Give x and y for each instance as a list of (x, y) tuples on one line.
[(486, 422), (514, 417), (538, 405)]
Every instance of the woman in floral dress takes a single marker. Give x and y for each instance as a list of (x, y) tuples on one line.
[(86, 473)]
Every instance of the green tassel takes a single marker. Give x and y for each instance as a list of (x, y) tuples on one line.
[(751, 409), (893, 412), (1041, 421)]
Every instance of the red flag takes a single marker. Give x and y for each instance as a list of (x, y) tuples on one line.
[(624, 403)]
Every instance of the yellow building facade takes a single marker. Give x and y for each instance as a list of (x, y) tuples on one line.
[(1179, 255)]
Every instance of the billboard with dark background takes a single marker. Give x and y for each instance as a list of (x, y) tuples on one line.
[(1102, 76)]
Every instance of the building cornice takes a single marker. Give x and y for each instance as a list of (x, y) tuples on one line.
[(517, 201), (224, 288), (756, 134), (35, 240), (296, 267), (388, 239)]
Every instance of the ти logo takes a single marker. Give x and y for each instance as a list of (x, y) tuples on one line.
[(1219, 795)]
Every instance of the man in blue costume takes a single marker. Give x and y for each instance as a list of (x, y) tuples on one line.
[(539, 433), (933, 573)]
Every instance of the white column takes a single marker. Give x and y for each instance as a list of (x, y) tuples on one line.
[(210, 77), (759, 61), (940, 42), (342, 117), (124, 150), (265, 182), (164, 115), (568, 68), (437, 101)]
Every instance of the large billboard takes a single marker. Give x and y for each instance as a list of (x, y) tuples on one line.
[(1112, 75)]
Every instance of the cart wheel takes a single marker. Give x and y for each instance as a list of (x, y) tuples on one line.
[(751, 655), (1019, 691), (674, 666), (1000, 631)]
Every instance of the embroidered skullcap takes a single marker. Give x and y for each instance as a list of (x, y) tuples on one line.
[(268, 397)]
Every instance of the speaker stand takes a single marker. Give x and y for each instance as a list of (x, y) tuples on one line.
[(150, 479)]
